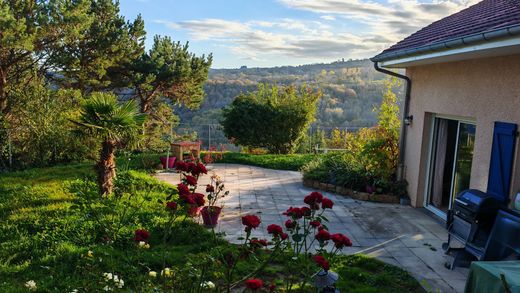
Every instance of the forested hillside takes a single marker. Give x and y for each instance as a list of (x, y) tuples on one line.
[(351, 89)]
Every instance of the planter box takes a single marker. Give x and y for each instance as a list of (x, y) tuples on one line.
[(331, 188), (361, 195), (384, 198), (308, 182), (323, 186)]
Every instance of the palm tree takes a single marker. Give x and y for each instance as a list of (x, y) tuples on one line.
[(115, 125)]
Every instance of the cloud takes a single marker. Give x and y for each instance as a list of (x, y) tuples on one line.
[(375, 26), (396, 17)]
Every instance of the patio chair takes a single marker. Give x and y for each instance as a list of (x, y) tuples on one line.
[(503, 241)]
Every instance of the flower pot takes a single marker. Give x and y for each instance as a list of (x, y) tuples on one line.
[(210, 215), (171, 162)]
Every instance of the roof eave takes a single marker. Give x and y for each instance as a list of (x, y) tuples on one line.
[(474, 39)]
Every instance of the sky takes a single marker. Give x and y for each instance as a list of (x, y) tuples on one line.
[(267, 33)]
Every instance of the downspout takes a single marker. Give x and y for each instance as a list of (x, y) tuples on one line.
[(405, 119)]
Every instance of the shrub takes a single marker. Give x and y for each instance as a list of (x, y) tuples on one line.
[(273, 118)]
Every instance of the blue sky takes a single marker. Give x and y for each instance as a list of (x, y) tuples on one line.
[(265, 33)]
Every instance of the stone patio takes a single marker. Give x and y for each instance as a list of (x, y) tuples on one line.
[(399, 235)]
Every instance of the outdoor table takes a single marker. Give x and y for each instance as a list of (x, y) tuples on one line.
[(484, 276), (178, 149)]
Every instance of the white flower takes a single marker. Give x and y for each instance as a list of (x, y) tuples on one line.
[(107, 288), (108, 276), (31, 285), (120, 284), (90, 253), (116, 278), (152, 274), (74, 291), (142, 243), (208, 285)]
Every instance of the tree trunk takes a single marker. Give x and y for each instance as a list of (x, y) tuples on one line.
[(3, 94), (106, 167)]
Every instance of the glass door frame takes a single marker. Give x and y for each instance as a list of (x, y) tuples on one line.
[(429, 163)]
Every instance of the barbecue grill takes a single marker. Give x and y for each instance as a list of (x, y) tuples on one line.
[(470, 220)]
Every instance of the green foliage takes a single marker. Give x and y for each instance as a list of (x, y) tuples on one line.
[(103, 117), (279, 162), (371, 154), (272, 117)]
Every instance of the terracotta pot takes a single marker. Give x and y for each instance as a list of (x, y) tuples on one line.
[(210, 215)]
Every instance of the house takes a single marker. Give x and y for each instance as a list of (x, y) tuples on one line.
[(462, 105)]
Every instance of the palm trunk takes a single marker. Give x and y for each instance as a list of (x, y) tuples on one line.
[(106, 167)]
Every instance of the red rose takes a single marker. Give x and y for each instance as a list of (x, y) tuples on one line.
[(171, 205), (284, 236), (199, 199), (191, 180), (202, 169), (305, 211), (340, 240), (274, 229), (210, 188), (313, 200), (322, 235), (251, 222), (326, 203), (259, 242), (295, 213), (191, 167), (188, 199), (183, 189), (322, 262), (315, 224), (141, 235), (289, 224), (181, 166), (254, 284)]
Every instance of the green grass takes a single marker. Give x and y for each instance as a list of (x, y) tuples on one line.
[(292, 162), (47, 227)]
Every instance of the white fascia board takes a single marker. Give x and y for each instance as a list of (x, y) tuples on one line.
[(501, 47)]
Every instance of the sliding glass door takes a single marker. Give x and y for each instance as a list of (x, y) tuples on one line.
[(451, 156)]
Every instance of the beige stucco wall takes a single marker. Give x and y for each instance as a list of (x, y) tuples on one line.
[(483, 90)]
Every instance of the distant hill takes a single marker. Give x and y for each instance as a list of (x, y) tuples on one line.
[(351, 90)]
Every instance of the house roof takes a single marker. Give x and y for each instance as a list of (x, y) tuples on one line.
[(483, 21)]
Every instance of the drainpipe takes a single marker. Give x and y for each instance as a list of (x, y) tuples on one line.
[(406, 118)]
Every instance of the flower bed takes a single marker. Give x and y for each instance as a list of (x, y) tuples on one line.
[(374, 197)]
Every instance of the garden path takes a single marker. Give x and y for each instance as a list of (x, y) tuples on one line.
[(399, 235)]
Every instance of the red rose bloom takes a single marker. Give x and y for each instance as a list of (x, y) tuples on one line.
[(210, 188), (322, 262), (141, 235), (191, 180), (289, 224), (171, 205), (181, 166), (183, 189), (284, 236), (188, 199), (199, 199), (251, 222), (202, 169), (259, 242), (315, 224), (254, 284), (322, 235), (274, 229), (295, 213), (191, 167), (305, 211), (326, 203), (340, 240), (313, 200)]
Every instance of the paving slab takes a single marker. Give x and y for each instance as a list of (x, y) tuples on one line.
[(398, 235)]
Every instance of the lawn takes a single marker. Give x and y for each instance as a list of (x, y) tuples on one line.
[(56, 231)]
